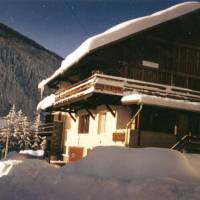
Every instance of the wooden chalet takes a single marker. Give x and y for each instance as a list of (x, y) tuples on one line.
[(135, 85)]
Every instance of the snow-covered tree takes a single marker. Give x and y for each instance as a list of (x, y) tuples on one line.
[(37, 123), (8, 134), (38, 141), (12, 117), (25, 141), (21, 133), (18, 130)]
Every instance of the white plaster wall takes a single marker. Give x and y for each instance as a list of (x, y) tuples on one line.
[(92, 138)]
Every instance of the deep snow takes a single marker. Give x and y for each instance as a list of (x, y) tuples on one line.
[(46, 102), (106, 173)]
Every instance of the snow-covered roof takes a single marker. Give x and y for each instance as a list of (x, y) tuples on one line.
[(46, 102), (160, 101), (121, 31)]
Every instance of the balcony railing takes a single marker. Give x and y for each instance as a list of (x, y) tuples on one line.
[(105, 84)]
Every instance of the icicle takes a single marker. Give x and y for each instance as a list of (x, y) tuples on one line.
[(41, 91)]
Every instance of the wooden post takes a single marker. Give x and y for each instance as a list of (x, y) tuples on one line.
[(136, 117), (127, 137), (186, 82), (7, 142), (172, 79), (175, 130), (139, 128)]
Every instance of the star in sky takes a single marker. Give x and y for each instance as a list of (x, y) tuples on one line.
[(11, 19), (62, 25)]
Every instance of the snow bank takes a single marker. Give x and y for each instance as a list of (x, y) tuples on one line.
[(46, 102), (38, 153), (160, 101), (108, 173), (6, 166), (121, 31), (130, 164)]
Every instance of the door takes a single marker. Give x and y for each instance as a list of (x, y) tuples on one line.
[(75, 153), (55, 152)]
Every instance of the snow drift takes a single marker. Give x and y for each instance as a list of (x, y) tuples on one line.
[(106, 173), (6, 166), (130, 164)]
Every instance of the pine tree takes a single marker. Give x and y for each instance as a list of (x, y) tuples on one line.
[(21, 133), (38, 141), (11, 119), (18, 130), (25, 136), (37, 123)]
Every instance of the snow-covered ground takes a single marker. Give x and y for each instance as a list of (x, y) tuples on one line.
[(106, 173), (38, 153)]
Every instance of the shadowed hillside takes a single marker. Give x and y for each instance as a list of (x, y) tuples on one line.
[(23, 63)]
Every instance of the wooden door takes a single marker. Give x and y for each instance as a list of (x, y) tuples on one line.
[(55, 152), (75, 153)]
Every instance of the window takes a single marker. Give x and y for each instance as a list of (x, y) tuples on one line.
[(83, 124), (158, 120), (102, 123)]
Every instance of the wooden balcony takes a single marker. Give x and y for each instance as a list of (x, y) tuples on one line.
[(112, 85)]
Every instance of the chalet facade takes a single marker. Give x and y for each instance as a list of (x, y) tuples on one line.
[(135, 85)]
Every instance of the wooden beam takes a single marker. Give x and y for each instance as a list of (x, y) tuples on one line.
[(110, 109), (74, 118), (177, 44), (90, 113)]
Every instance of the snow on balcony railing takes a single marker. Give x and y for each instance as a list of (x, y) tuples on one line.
[(101, 83)]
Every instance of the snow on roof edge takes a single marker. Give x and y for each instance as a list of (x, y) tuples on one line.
[(121, 31), (160, 101), (46, 102)]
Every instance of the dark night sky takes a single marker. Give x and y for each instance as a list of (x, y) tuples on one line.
[(62, 25)]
